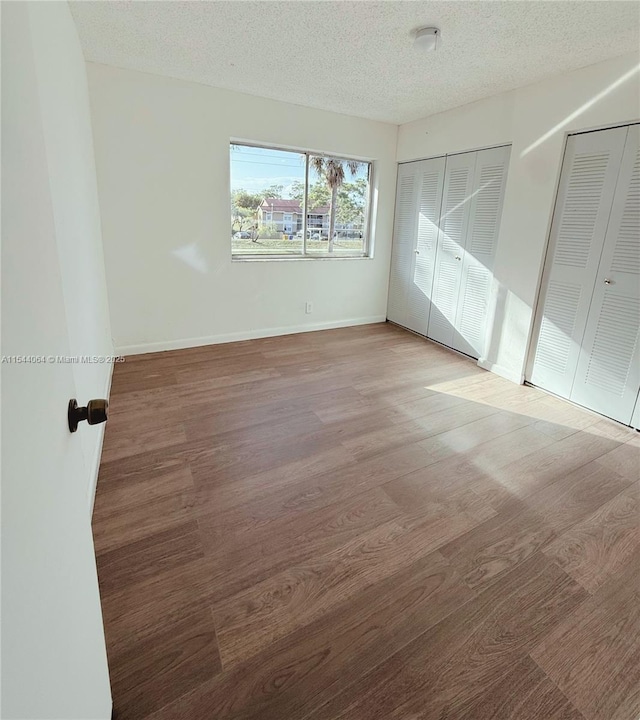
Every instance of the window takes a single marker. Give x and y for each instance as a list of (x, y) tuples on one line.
[(297, 204)]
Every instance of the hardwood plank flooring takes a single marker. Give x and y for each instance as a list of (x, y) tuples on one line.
[(593, 550), (361, 524), (604, 629), (281, 681), (448, 668)]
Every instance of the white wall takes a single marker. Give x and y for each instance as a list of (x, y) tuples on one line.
[(162, 155), (536, 120), (64, 99)]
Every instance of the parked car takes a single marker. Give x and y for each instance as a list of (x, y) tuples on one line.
[(312, 234), (242, 235)]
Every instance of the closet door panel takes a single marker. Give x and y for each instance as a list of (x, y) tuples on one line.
[(608, 373), (404, 240), (430, 176), (587, 185), (480, 248), (454, 222)]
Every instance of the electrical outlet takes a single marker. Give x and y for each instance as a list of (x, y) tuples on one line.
[(308, 307)]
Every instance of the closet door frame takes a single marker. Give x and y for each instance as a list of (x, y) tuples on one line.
[(395, 248), (547, 259), (616, 293), (573, 254), (502, 146)]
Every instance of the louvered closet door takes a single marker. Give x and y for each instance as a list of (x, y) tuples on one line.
[(454, 222), (487, 195), (608, 373), (587, 185), (404, 241), (430, 178)]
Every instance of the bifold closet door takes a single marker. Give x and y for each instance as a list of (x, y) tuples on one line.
[(471, 209), (418, 201), (404, 234), (585, 196), (487, 195), (454, 224), (608, 370)]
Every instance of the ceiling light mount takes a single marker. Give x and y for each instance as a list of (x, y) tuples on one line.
[(426, 38)]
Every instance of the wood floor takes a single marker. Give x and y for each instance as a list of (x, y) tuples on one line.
[(360, 524)]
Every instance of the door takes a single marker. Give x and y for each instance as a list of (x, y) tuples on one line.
[(585, 195), (53, 652), (453, 228), (608, 370), (418, 201), (487, 195), (404, 235), (430, 181), (447, 221)]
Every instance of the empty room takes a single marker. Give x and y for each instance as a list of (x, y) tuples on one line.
[(320, 360)]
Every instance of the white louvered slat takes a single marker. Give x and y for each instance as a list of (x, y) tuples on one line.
[(430, 175), (607, 378), (614, 343), (403, 243), (626, 257), (474, 307), (456, 205), (443, 307), (487, 197), (485, 215), (558, 325), (580, 212), (585, 195)]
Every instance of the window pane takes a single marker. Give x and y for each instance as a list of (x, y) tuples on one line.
[(267, 195), (344, 184)]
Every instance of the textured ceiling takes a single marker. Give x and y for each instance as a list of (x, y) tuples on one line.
[(357, 57)]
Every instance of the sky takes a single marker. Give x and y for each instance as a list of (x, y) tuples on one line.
[(254, 169)]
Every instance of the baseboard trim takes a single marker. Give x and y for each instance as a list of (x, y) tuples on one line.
[(516, 378), (95, 466), (244, 335)]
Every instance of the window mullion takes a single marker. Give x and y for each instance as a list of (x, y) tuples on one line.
[(304, 204)]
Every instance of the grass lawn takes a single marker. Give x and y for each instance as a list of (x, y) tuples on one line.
[(341, 246)]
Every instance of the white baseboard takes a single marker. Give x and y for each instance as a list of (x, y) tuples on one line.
[(502, 371), (95, 465), (243, 335)]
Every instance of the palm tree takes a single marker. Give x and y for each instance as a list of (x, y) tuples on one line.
[(332, 170)]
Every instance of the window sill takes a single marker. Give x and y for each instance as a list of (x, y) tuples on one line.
[(296, 258)]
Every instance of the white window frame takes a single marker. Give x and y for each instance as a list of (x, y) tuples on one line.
[(367, 245)]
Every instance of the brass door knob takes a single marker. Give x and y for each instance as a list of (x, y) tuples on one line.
[(95, 412)]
